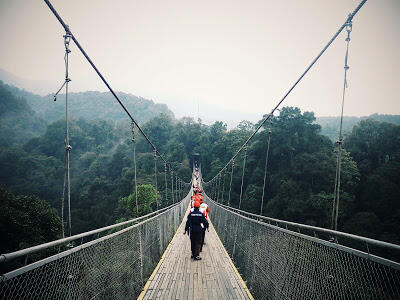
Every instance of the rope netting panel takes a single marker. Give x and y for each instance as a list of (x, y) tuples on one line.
[(277, 263), (110, 267)]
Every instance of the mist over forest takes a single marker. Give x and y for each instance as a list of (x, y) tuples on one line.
[(300, 176)]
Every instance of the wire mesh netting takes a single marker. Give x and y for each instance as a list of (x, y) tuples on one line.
[(115, 266), (277, 263)]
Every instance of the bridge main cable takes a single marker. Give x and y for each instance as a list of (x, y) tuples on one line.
[(349, 19), (67, 30)]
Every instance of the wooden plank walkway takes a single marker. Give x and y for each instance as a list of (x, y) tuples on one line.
[(177, 276)]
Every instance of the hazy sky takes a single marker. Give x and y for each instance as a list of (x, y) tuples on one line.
[(235, 58)]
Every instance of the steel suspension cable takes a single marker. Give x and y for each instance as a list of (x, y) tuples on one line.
[(336, 196), (220, 186), (63, 196), (166, 184), (67, 30), (172, 186), (180, 189), (217, 189), (266, 165), (176, 187), (230, 185), (134, 167), (244, 166), (155, 176), (213, 189), (223, 187), (349, 19), (136, 199), (178, 194), (68, 148)]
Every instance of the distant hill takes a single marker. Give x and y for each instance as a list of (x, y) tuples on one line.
[(25, 115), (41, 87), (92, 105), (18, 122), (330, 125)]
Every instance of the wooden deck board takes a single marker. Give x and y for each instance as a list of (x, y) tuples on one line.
[(180, 277)]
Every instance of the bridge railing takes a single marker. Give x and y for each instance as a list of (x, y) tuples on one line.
[(316, 231), (114, 266), (278, 263)]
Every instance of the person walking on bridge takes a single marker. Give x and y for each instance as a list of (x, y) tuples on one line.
[(205, 209), (195, 224)]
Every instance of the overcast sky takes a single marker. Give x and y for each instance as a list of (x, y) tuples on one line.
[(233, 60)]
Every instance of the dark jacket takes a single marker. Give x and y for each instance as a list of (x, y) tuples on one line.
[(194, 221)]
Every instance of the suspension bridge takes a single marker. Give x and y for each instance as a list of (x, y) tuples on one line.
[(246, 255)]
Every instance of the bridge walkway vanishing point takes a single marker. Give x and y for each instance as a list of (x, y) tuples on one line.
[(177, 276)]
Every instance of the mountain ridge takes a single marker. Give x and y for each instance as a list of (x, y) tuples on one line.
[(91, 105)]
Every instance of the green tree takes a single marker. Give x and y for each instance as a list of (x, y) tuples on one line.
[(375, 148), (146, 200), (26, 221)]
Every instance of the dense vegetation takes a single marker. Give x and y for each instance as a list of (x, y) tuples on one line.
[(330, 125), (26, 221), (300, 177), (18, 122)]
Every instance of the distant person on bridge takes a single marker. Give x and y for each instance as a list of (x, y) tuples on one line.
[(194, 193), (195, 225), (204, 209), (197, 197)]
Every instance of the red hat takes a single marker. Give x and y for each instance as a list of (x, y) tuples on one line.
[(196, 204)]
